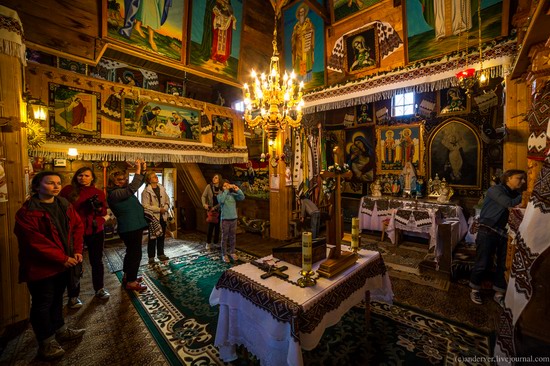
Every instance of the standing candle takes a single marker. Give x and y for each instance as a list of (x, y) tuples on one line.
[(306, 251), (355, 233)]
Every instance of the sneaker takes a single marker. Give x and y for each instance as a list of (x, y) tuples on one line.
[(102, 294), (225, 259), (208, 246), (69, 334), (234, 256), (163, 257), (152, 260), (475, 296), (50, 350), (74, 303), (499, 299)]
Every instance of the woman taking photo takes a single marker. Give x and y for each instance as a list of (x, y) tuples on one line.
[(155, 199), (210, 203), (89, 203), (131, 221)]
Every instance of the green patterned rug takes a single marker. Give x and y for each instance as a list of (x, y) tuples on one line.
[(176, 310)]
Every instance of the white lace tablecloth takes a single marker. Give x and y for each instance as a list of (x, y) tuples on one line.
[(274, 319)]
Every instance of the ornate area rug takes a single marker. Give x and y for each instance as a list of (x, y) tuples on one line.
[(175, 308)]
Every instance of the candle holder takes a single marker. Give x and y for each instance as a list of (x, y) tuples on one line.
[(307, 279)]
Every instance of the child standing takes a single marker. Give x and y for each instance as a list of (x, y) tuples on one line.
[(228, 203)]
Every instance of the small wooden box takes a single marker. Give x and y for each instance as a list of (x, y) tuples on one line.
[(292, 253)]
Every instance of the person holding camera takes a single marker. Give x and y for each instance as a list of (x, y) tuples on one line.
[(210, 203), (50, 235), (131, 221), (155, 199), (89, 202), (228, 206)]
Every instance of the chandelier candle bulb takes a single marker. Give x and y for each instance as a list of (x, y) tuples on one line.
[(306, 251), (355, 234)]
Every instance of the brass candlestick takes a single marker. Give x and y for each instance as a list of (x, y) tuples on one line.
[(307, 279)]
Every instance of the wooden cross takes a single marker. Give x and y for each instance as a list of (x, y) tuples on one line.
[(334, 226), (271, 270), (337, 260)]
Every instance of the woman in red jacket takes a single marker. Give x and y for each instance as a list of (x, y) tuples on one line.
[(90, 204), (50, 235)]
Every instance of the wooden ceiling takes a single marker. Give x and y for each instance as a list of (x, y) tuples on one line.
[(73, 29)]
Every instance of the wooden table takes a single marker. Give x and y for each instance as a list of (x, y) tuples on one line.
[(274, 318)]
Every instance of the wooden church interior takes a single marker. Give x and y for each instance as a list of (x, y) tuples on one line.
[(381, 94)]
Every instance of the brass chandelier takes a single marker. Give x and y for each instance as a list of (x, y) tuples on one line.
[(270, 102)]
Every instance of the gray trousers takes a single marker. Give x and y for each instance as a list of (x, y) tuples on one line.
[(229, 236)]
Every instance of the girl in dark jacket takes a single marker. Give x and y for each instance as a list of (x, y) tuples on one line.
[(130, 221), (91, 206)]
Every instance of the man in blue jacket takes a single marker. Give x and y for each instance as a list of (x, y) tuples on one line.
[(492, 236)]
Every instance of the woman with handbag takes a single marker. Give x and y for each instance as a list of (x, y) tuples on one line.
[(212, 207), (131, 222), (91, 206), (155, 199)]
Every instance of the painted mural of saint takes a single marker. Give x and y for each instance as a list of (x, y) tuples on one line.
[(148, 14), (78, 112), (302, 43), (461, 15), (407, 146)]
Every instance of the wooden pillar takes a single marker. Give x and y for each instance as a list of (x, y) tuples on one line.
[(15, 300), (280, 200)]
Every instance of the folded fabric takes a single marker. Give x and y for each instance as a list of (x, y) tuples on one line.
[(155, 229)]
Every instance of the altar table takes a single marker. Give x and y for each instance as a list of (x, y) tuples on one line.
[(274, 318), (416, 217)]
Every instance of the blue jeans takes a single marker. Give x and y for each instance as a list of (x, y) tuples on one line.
[(488, 244), (315, 224)]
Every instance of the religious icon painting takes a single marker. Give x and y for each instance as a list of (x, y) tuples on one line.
[(454, 153), (153, 26), (434, 30), (74, 111), (304, 44), (215, 36), (398, 145), (353, 189), (452, 102), (222, 134), (73, 66), (360, 153), (364, 115), (341, 9), (361, 50), (157, 120), (175, 88)]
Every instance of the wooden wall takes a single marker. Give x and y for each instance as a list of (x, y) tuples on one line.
[(39, 76), (384, 11), (14, 303)]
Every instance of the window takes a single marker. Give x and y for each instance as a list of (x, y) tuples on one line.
[(403, 104), (239, 106)]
